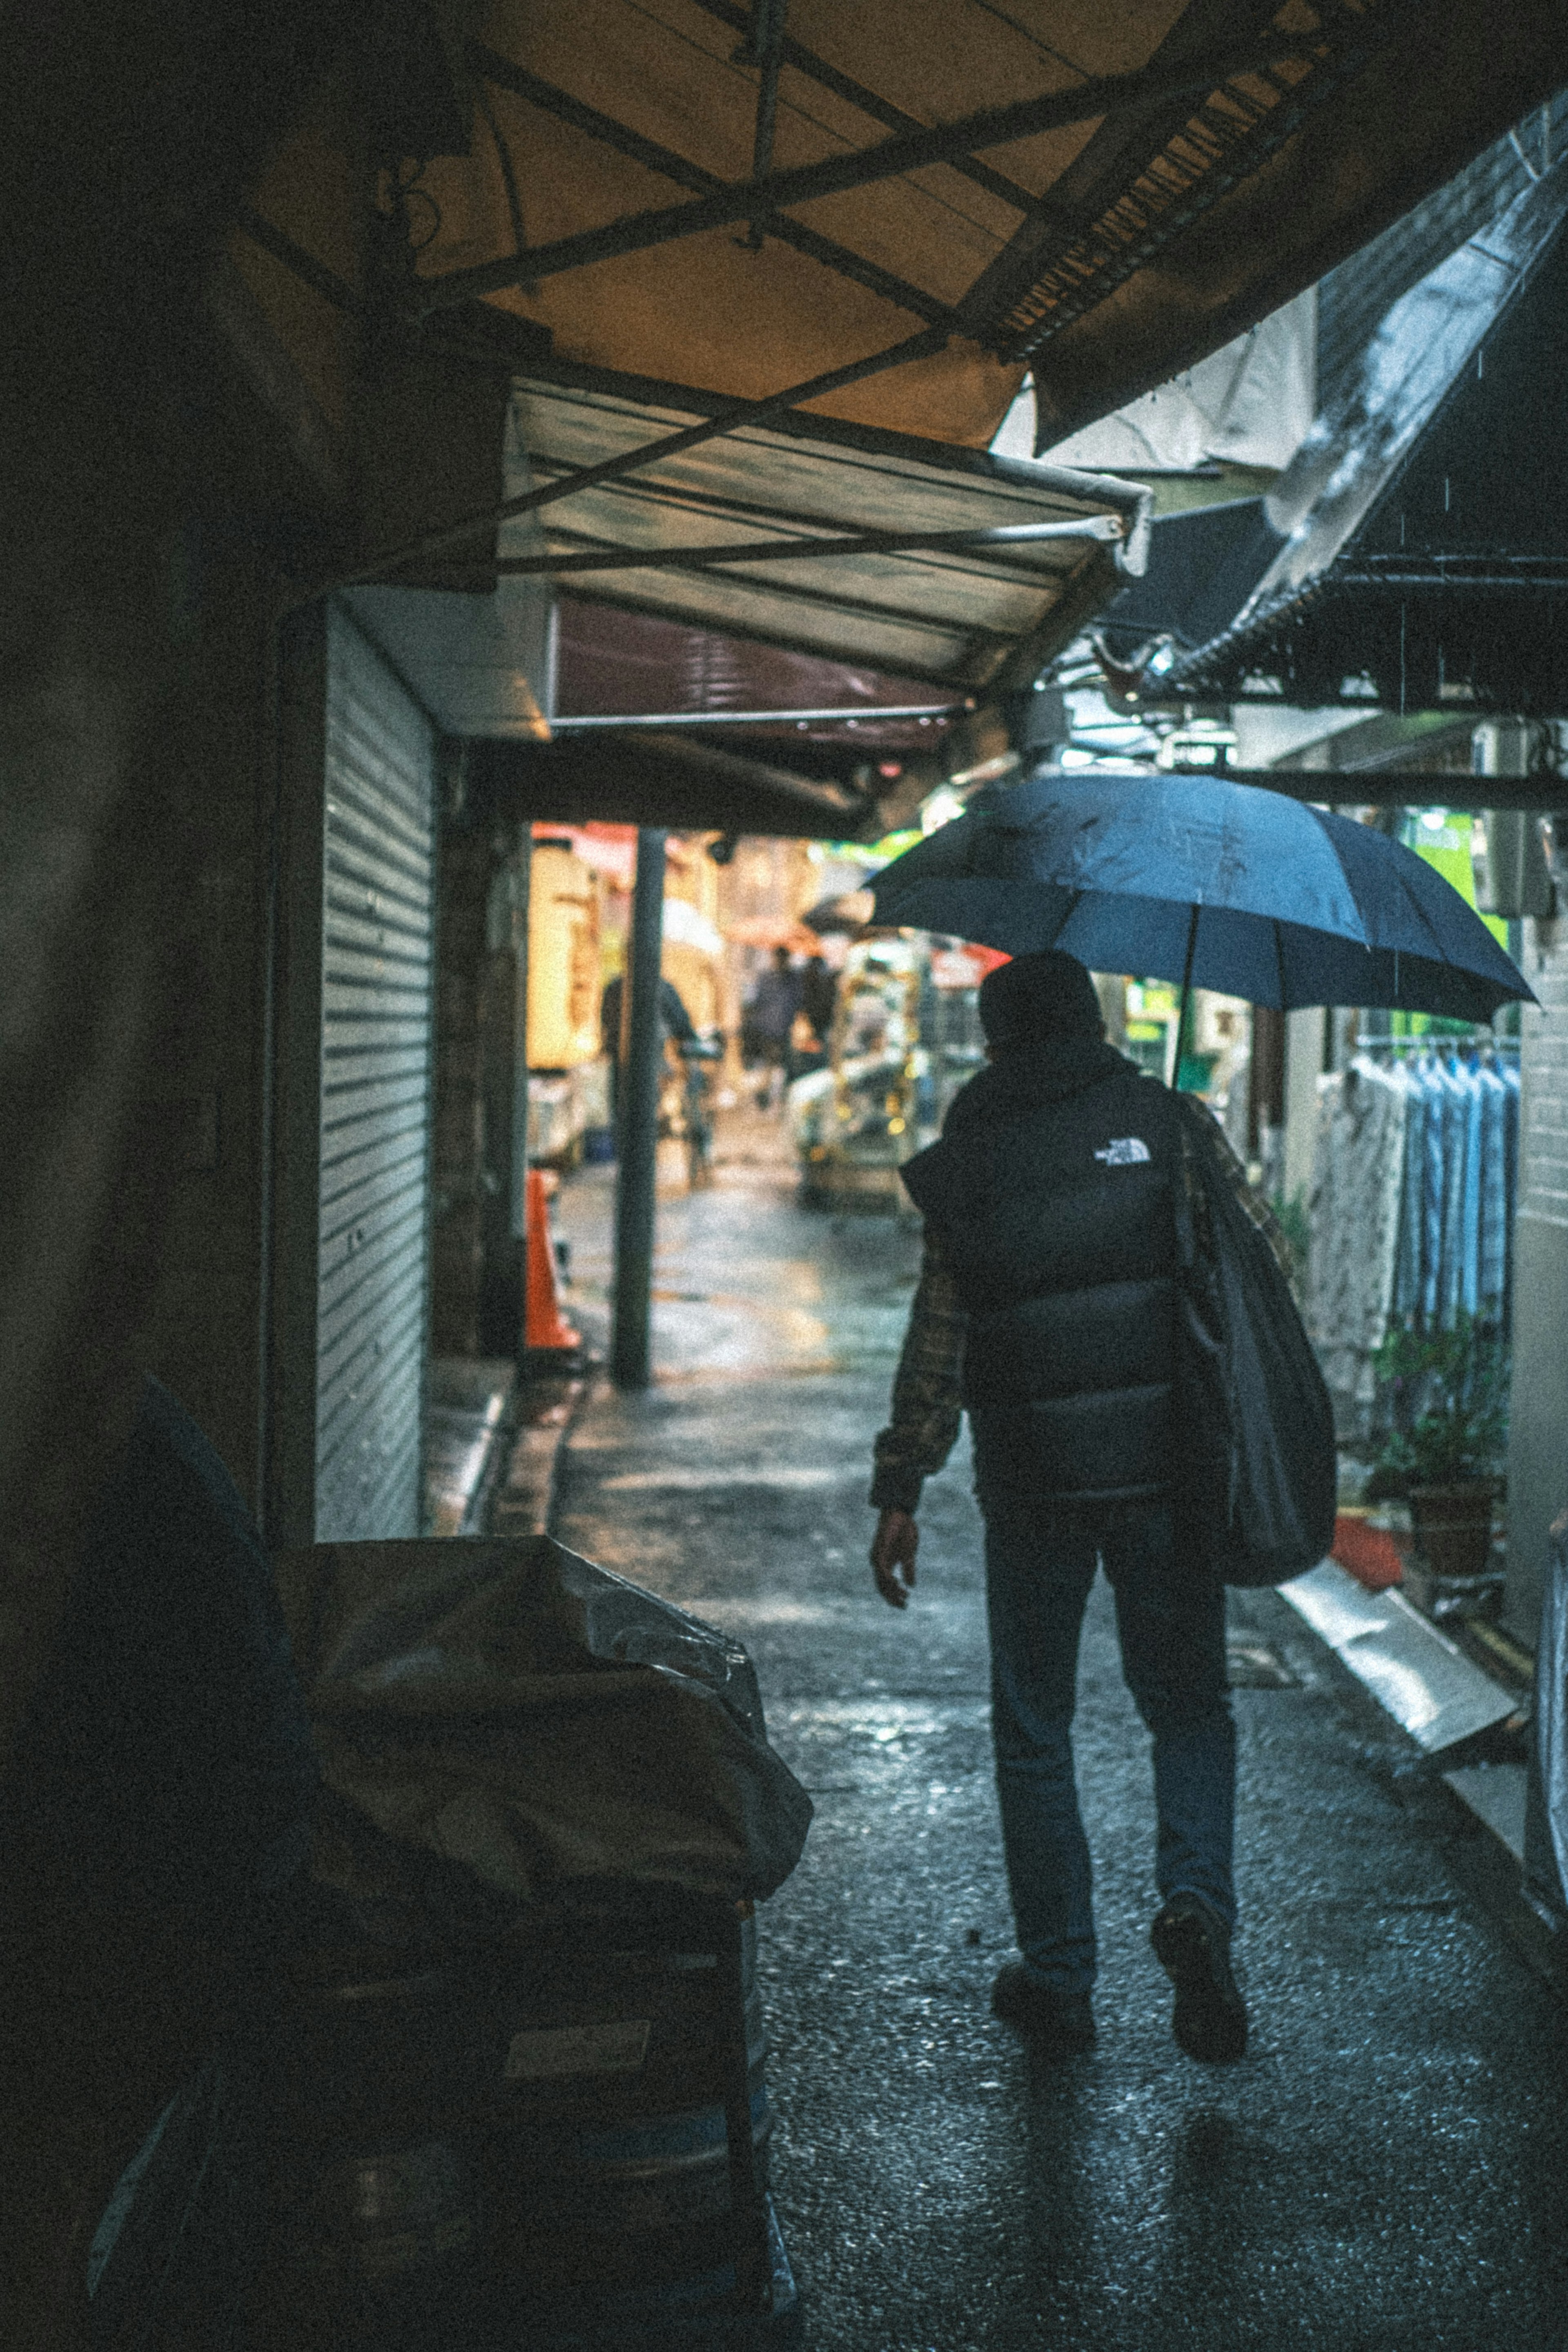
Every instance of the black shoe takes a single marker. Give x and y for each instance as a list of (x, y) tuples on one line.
[(1192, 1944), (1057, 2023)]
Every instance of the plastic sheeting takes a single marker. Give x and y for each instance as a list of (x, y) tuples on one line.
[(1421, 348), (1421, 1679), (1249, 404), (533, 1719)]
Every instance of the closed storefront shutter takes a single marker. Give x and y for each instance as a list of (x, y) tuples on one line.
[(377, 970)]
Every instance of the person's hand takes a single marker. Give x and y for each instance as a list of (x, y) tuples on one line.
[(893, 1550)]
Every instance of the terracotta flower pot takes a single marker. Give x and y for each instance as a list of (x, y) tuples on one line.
[(1454, 1527)]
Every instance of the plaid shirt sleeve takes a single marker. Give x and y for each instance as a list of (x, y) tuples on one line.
[(926, 1409)]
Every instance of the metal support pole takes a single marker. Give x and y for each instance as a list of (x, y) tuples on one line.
[(638, 1141)]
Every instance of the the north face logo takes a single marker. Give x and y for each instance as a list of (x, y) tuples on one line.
[(1125, 1152)]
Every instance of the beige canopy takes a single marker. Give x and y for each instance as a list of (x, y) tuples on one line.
[(696, 191)]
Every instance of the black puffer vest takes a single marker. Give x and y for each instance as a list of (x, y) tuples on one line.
[(1052, 1190)]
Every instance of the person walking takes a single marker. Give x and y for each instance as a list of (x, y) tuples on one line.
[(769, 1016), (675, 1027), (1046, 1308)]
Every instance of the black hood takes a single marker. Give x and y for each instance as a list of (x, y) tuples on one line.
[(1051, 1072)]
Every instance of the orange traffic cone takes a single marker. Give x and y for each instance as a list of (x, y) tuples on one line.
[(544, 1325)]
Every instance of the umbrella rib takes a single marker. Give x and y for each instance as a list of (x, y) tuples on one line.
[(1186, 983)]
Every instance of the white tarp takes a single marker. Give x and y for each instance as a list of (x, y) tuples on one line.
[(1249, 404)]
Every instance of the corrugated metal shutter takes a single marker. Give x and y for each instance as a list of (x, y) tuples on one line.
[(377, 979), (1536, 1476)]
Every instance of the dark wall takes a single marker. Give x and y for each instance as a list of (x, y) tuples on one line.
[(207, 1090)]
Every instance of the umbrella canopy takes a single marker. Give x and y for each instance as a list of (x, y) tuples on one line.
[(1216, 884)]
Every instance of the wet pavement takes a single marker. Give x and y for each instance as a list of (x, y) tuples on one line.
[(1387, 2167)]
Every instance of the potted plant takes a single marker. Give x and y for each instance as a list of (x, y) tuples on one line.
[(1447, 1393)]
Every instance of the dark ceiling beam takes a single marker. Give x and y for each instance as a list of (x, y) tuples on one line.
[(871, 102), (1405, 788), (998, 538), (860, 714), (905, 150), (604, 128), (725, 420), (294, 257), (763, 47), (659, 779)]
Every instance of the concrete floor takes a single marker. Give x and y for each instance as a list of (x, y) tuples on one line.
[(1388, 2167)]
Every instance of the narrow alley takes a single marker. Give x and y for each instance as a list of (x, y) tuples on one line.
[(710, 611), (1388, 2167)]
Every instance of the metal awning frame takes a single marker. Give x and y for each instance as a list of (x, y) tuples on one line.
[(652, 559), (1125, 206), (795, 594), (727, 503), (867, 714), (1152, 88), (1174, 136), (730, 416), (664, 160), (998, 540), (1114, 514), (870, 103)]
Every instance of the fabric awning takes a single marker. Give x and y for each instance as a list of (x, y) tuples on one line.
[(930, 586), (612, 663), (917, 201), (713, 194)]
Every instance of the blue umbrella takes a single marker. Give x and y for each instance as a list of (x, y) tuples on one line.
[(1214, 884)]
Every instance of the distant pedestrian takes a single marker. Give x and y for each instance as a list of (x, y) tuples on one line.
[(818, 997), (769, 1016), (676, 1025), (1046, 1308), (674, 1019)]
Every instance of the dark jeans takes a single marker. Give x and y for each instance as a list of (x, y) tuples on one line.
[(1040, 1567)]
